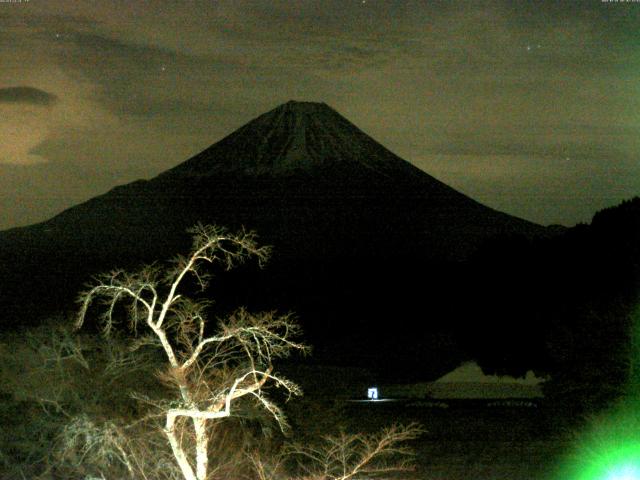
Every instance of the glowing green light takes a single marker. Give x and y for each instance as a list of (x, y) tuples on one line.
[(617, 461), (609, 448), (624, 472)]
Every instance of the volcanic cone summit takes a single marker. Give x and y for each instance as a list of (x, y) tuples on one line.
[(292, 138)]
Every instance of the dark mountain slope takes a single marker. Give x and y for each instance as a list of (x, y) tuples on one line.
[(300, 170), (349, 222)]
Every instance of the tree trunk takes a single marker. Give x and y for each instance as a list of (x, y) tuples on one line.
[(202, 446), (178, 452)]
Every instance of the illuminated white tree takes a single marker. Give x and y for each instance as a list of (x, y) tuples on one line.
[(346, 456), (210, 371)]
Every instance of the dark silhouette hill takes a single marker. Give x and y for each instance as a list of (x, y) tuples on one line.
[(566, 305), (362, 239)]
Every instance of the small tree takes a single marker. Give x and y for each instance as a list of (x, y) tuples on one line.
[(209, 371), (345, 456)]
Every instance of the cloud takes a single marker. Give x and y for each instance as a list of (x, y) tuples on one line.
[(22, 129), (551, 190), (27, 95), (23, 123), (49, 103), (487, 94)]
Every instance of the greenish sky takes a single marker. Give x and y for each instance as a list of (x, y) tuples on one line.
[(529, 107)]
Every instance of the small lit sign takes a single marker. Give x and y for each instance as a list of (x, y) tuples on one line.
[(372, 393)]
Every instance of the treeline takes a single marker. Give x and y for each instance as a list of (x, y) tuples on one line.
[(563, 306)]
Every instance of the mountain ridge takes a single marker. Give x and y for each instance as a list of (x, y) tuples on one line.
[(393, 271), (352, 216), (299, 154)]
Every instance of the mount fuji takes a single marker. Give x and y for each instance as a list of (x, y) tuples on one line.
[(355, 228)]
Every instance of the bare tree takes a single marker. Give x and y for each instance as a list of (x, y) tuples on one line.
[(351, 456), (84, 424), (210, 372), (345, 456)]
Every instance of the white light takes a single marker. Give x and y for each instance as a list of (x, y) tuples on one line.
[(372, 393), (626, 472)]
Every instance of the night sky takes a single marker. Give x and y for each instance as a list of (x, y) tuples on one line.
[(531, 108)]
